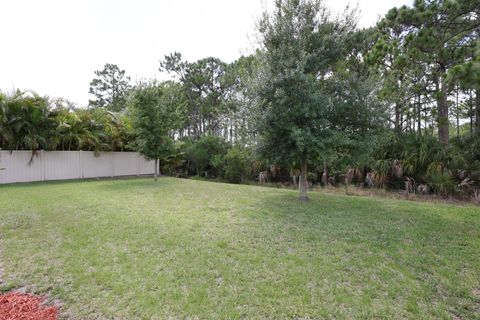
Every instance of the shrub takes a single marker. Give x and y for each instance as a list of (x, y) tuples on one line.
[(203, 153), (235, 165), (442, 182)]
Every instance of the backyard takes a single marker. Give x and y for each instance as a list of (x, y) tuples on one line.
[(136, 249)]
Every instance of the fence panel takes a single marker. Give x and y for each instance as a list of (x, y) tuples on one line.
[(146, 166), (97, 165), (18, 167), (63, 165), (125, 164)]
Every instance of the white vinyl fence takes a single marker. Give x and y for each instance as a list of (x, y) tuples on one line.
[(63, 165)]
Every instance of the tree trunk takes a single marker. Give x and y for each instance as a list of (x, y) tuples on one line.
[(419, 115), (470, 105), (303, 182), (397, 118), (425, 121), (155, 176), (457, 114), (442, 110), (325, 174), (477, 112)]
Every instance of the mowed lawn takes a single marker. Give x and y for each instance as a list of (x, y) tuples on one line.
[(136, 249)]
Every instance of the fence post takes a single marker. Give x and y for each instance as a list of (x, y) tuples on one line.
[(80, 161), (43, 164), (138, 164), (113, 164)]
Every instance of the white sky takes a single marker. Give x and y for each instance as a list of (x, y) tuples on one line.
[(54, 46)]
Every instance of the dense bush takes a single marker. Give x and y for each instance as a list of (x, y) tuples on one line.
[(424, 160), (234, 166), (31, 122), (202, 154)]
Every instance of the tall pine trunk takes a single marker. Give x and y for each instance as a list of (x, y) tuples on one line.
[(477, 112), (303, 182), (155, 177), (419, 115), (470, 113), (325, 174), (398, 128), (457, 114), (442, 110)]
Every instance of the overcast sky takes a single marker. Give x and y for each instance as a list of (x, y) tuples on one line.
[(54, 46)]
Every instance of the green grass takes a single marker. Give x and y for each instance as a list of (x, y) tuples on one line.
[(135, 249)]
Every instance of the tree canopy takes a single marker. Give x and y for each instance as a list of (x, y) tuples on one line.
[(154, 112), (302, 44), (110, 88)]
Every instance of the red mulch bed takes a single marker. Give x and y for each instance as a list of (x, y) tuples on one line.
[(21, 306)]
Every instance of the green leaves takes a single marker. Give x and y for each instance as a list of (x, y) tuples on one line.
[(207, 85), (418, 46), (25, 121), (155, 112), (110, 88), (302, 46)]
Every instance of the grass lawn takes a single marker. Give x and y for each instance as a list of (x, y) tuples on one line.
[(135, 249)]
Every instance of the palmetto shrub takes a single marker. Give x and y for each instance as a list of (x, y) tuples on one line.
[(442, 182), (425, 160)]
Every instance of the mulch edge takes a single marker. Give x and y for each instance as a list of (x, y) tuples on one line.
[(45, 304), (26, 306)]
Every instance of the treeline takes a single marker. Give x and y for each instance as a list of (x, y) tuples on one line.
[(320, 101), (31, 122)]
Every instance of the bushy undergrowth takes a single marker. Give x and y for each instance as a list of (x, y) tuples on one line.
[(424, 161), (417, 163), (371, 158)]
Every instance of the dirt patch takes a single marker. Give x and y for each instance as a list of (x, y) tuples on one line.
[(476, 292), (22, 306)]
